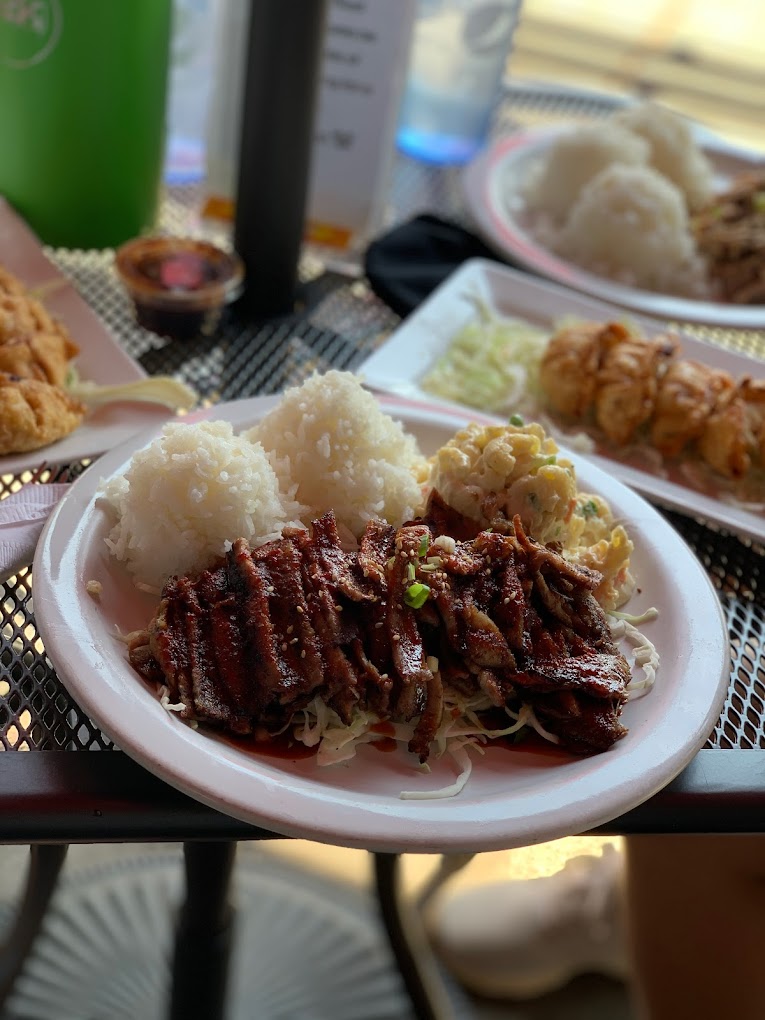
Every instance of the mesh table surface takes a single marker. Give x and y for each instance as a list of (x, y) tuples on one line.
[(340, 324)]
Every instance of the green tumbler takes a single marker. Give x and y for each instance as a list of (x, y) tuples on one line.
[(83, 89)]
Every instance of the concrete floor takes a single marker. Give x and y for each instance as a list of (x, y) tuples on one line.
[(587, 998)]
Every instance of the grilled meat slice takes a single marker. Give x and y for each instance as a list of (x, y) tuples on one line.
[(445, 520), (407, 647), (584, 725)]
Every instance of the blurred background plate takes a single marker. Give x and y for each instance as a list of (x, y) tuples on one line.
[(493, 193)]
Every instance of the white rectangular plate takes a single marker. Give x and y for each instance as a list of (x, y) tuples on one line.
[(410, 351), (101, 359)]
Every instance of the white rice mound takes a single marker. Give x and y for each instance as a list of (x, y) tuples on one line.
[(188, 495), (673, 150), (575, 158), (631, 224), (331, 437)]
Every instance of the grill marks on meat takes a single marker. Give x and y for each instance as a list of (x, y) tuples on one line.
[(254, 639)]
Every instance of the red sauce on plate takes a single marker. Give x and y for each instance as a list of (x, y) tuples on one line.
[(283, 746), (287, 748)]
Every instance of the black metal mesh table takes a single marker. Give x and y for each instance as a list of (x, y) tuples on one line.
[(57, 793)]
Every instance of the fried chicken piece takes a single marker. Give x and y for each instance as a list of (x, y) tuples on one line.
[(34, 414), (734, 434), (9, 284), (753, 394), (688, 393), (33, 345), (569, 368), (727, 442), (627, 380)]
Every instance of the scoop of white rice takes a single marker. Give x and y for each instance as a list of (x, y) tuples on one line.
[(574, 158), (331, 438), (631, 224), (673, 150), (188, 495)]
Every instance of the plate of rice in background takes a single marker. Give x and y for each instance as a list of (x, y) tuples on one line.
[(641, 209), (169, 502)]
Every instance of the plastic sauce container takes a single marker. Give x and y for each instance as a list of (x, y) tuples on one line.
[(179, 286)]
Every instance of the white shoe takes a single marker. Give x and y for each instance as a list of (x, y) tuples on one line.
[(522, 939)]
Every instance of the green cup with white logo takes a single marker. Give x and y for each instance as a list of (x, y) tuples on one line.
[(83, 88)]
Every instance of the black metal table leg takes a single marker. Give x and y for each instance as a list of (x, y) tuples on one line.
[(45, 863), (204, 934), (409, 944)]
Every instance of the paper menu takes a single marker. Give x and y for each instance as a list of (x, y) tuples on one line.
[(366, 51), (366, 55)]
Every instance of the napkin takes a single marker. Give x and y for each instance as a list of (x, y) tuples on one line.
[(22, 517), (406, 264)]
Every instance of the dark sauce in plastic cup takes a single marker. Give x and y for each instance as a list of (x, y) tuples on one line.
[(179, 286)]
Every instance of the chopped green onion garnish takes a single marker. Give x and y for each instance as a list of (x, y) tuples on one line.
[(410, 571), (590, 508), (551, 460), (416, 595), (515, 419), (424, 543)]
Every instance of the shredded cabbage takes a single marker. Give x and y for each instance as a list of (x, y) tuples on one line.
[(458, 750), (645, 655), (461, 729), (492, 363)]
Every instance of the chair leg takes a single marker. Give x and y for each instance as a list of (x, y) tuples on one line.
[(407, 939), (45, 863), (204, 933)]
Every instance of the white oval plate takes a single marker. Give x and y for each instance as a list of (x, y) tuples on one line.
[(493, 191), (514, 797), (400, 362)]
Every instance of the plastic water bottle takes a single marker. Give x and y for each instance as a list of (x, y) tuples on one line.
[(458, 57)]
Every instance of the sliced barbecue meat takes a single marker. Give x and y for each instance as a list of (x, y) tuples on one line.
[(390, 628), (430, 717), (407, 647), (445, 520), (584, 725), (375, 549)]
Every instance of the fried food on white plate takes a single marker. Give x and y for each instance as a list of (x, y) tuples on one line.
[(33, 345), (34, 413), (628, 380), (688, 393), (569, 368), (752, 392), (590, 366), (734, 434)]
